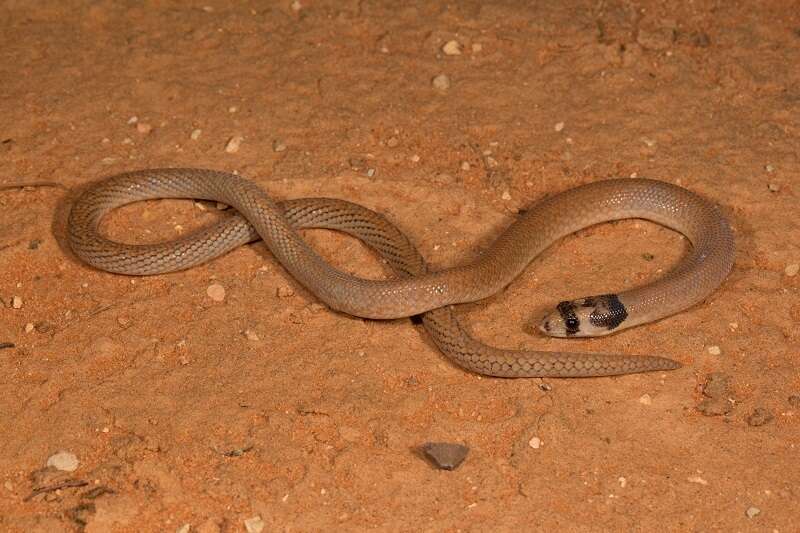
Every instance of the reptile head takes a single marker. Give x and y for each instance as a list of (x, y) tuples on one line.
[(585, 317)]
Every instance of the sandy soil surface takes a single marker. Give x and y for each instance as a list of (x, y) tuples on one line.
[(189, 414)]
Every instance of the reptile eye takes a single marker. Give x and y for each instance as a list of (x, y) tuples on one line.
[(572, 323)]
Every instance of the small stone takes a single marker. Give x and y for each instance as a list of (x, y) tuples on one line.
[(792, 270), (714, 350), (216, 292), (535, 443), (64, 461), (645, 399), (393, 142), (251, 335), (465, 165), (233, 109), (221, 207), (559, 126), (296, 6), (34, 244), (414, 158), (285, 292), (477, 47), (209, 526), (656, 39), (233, 144), (133, 120), (185, 528), (506, 196), (622, 482), (752, 512), (29, 327), (278, 146), (254, 525), (759, 417), (195, 134), (441, 82), (16, 302), (697, 479), (769, 168), (774, 187), (717, 394), (452, 48), (445, 455), (144, 128)]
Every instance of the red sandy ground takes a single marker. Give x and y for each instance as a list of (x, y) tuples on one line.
[(152, 385)]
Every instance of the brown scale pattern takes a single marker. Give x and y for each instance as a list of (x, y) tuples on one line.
[(417, 291)]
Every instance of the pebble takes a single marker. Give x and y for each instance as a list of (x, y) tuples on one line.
[(133, 120), (622, 482), (697, 479), (216, 292), (196, 134), (477, 47), (452, 48), (752, 512), (759, 417), (250, 335), (559, 126), (414, 158), (645, 399), (185, 528), (717, 392), (774, 187), (144, 128), (506, 196), (16, 302), (769, 168), (792, 270), (445, 455), (64, 461), (535, 443), (656, 38), (29, 327), (233, 144), (441, 82), (278, 146), (284, 292), (465, 165), (714, 350), (296, 6), (254, 525), (393, 142)]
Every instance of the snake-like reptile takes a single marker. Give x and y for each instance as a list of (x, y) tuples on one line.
[(416, 290)]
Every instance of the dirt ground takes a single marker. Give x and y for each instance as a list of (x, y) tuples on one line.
[(268, 412)]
